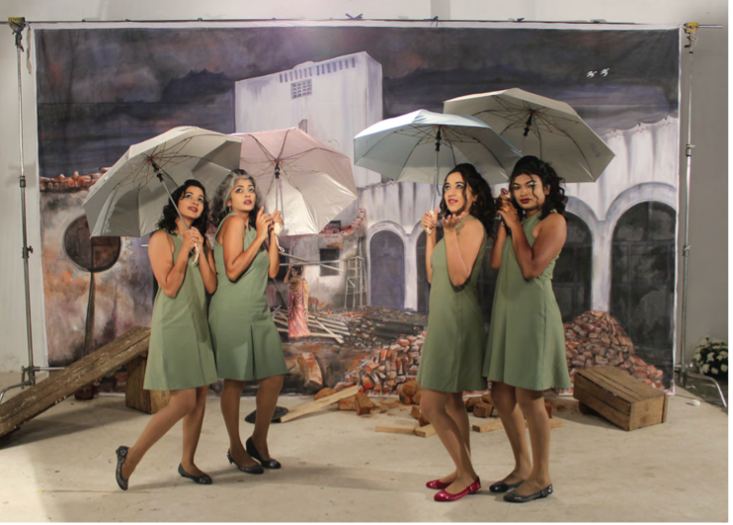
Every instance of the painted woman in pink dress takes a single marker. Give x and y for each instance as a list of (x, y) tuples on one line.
[(299, 292)]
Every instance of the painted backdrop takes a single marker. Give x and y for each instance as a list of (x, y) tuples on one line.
[(100, 90)]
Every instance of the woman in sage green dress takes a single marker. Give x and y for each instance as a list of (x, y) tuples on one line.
[(452, 354), (180, 357), (525, 353), (246, 341)]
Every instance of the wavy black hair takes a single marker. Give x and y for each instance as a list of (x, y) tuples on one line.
[(555, 199), (219, 207), (168, 221), (484, 207)]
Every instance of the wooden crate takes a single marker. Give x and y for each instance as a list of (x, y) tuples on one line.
[(148, 401), (618, 397)]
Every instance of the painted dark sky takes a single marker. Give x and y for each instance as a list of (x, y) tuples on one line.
[(101, 90)]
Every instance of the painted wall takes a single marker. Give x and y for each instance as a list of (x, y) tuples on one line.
[(707, 311)]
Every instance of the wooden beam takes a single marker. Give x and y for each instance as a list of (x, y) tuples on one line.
[(319, 404), (391, 428), (496, 425), (54, 389), (425, 432)]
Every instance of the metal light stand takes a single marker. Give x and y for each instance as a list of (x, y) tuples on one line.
[(683, 370), (28, 377)]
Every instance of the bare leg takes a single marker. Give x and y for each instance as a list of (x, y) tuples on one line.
[(182, 403), (532, 404), (230, 398), (267, 395), (192, 423), (433, 405), (504, 397), (456, 409)]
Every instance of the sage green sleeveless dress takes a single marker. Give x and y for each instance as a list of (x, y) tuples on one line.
[(453, 352), (246, 341), (180, 354), (526, 346)]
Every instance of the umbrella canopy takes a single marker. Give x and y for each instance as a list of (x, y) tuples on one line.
[(540, 126), (414, 147), (129, 198), (308, 181)]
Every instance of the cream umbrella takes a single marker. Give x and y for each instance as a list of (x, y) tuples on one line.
[(549, 129), (307, 180)]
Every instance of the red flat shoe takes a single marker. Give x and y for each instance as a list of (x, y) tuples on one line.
[(447, 496), (436, 484)]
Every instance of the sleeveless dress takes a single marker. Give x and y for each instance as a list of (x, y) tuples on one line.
[(297, 324), (452, 354), (246, 341), (526, 346), (180, 354)]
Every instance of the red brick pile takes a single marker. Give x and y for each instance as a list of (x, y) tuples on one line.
[(597, 339)]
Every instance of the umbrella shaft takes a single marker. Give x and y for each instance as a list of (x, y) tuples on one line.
[(160, 173)]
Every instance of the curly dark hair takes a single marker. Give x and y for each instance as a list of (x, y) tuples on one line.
[(484, 207), (555, 200), (219, 208), (168, 221)]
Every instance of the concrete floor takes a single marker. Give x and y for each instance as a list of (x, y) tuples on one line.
[(60, 467)]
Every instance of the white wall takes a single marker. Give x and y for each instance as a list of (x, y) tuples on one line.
[(708, 282)]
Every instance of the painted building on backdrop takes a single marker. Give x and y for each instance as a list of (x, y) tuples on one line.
[(615, 280)]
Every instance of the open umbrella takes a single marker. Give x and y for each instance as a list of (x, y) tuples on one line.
[(415, 146), (308, 181), (128, 199), (540, 126)]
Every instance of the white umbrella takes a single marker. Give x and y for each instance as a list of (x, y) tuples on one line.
[(129, 198), (540, 126), (414, 147), (308, 181)]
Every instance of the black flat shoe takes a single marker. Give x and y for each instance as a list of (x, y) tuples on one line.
[(254, 469), (121, 456), (203, 479), (252, 451), (500, 486), (513, 497)]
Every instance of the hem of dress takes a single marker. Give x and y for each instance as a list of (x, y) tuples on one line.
[(167, 389)]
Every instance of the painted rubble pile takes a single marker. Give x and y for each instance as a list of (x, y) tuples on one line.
[(396, 345), (597, 339), (75, 182)]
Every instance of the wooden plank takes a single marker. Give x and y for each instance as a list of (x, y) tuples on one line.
[(641, 388), (607, 411), (313, 406), (622, 383), (616, 384), (39, 398), (487, 427), (426, 431), (608, 397), (496, 425), (392, 428)]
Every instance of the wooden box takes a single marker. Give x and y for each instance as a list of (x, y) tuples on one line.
[(618, 397), (148, 401)]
